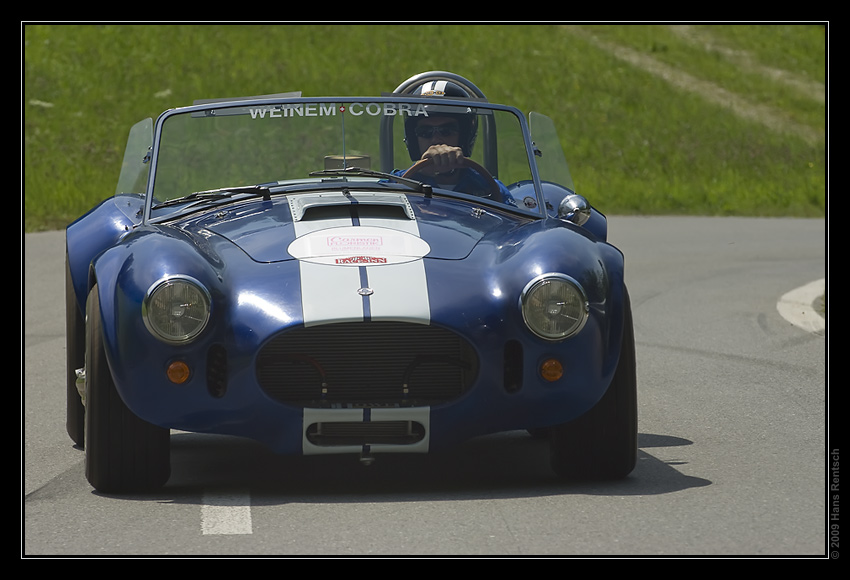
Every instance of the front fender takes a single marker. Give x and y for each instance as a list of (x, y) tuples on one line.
[(87, 237), (483, 303), (125, 273)]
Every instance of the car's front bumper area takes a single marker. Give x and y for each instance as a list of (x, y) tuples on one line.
[(372, 386)]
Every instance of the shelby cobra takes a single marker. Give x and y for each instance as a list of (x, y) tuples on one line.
[(330, 275)]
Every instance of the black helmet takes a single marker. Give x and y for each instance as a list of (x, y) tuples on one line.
[(467, 121)]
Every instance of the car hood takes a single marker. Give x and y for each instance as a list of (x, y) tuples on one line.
[(353, 227)]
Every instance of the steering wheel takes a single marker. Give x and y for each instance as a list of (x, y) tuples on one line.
[(494, 192)]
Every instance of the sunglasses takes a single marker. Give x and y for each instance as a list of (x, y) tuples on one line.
[(444, 130)]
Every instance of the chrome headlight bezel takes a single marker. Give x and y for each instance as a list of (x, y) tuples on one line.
[(163, 300), (554, 289)]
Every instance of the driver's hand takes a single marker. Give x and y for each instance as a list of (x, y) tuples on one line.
[(446, 158)]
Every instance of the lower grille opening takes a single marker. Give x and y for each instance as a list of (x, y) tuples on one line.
[(367, 364), (371, 433)]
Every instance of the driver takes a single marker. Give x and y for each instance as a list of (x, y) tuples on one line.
[(446, 138)]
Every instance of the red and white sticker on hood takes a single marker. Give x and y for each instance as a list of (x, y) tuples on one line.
[(359, 246)]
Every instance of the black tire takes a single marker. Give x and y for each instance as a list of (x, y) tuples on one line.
[(75, 338), (602, 443), (123, 452)]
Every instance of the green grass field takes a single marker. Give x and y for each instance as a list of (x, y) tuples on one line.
[(654, 119)]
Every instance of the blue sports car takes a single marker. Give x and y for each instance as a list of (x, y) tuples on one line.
[(369, 275)]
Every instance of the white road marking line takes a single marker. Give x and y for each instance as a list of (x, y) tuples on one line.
[(796, 307), (226, 513)]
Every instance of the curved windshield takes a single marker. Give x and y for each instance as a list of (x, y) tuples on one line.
[(286, 145)]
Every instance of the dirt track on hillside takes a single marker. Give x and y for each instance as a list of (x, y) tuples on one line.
[(767, 116)]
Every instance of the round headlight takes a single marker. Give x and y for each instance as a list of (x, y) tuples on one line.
[(176, 310), (554, 306)]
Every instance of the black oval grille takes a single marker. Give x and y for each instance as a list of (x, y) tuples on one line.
[(366, 364)]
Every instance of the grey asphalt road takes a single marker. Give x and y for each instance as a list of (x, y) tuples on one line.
[(732, 420)]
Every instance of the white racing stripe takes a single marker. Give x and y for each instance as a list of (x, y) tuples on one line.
[(226, 514), (400, 292), (403, 287), (352, 272), (329, 294)]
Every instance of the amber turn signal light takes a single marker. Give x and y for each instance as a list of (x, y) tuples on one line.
[(178, 372), (551, 370)]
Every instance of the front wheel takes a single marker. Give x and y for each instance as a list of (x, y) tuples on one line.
[(123, 452), (602, 443)]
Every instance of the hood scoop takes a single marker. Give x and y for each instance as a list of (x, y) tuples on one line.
[(313, 206)]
